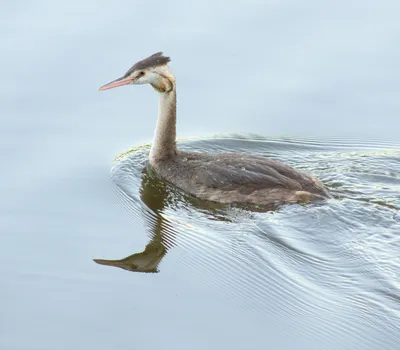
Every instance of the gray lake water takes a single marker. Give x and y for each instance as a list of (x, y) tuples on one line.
[(313, 84)]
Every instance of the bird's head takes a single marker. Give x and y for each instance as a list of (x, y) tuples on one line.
[(152, 70)]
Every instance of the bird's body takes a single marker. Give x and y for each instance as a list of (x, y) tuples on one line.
[(223, 177), (238, 178)]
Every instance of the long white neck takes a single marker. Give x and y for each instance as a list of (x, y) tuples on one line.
[(164, 142)]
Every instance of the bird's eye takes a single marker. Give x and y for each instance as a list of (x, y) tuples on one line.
[(142, 73)]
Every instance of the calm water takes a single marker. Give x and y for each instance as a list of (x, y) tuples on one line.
[(317, 276)]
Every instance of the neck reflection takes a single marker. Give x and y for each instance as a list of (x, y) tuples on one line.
[(154, 194)]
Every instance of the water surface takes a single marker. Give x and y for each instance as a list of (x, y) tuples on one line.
[(317, 81), (326, 272)]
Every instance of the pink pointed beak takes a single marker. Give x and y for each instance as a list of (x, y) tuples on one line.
[(118, 82)]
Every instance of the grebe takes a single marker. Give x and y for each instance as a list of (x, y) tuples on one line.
[(222, 177)]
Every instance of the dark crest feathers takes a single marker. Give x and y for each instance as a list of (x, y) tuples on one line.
[(154, 60)]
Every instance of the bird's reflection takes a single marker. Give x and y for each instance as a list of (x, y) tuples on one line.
[(155, 194)]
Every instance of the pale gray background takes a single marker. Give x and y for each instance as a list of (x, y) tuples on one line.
[(318, 69)]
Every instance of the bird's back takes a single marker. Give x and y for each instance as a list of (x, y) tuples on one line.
[(238, 177)]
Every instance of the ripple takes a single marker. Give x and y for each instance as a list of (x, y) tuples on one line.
[(333, 265)]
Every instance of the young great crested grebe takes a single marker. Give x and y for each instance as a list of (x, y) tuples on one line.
[(223, 177)]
